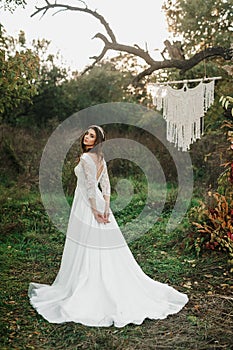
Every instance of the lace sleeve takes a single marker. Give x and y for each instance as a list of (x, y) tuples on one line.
[(90, 178), (104, 182)]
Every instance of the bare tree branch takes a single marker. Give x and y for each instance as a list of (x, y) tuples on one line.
[(96, 59), (85, 9), (177, 58), (184, 65)]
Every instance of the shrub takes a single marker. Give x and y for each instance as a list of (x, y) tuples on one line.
[(213, 219), (216, 227)]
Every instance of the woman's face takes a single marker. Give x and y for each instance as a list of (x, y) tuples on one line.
[(89, 138)]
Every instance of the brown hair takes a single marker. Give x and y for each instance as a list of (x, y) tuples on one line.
[(100, 138)]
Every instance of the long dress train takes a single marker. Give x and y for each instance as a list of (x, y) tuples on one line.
[(99, 282)]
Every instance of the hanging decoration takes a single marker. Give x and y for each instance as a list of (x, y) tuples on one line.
[(184, 109)]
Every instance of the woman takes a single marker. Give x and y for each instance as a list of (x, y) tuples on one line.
[(99, 282)]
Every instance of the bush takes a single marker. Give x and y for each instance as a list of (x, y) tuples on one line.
[(216, 228), (213, 220)]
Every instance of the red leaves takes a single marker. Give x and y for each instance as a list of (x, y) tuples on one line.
[(215, 223), (230, 235)]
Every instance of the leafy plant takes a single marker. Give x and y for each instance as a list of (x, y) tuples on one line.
[(227, 176), (227, 103), (19, 71), (213, 219), (216, 227)]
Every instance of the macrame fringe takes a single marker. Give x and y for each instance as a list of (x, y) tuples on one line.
[(183, 110)]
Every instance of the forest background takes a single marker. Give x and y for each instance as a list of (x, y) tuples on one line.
[(36, 95)]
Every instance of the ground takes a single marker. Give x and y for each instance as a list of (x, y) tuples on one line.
[(204, 323)]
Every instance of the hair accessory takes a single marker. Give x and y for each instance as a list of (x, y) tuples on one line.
[(100, 129)]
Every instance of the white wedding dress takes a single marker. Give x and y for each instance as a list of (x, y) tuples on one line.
[(99, 282)]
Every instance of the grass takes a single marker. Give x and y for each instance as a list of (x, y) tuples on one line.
[(31, 250)]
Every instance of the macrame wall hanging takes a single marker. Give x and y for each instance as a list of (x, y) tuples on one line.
[(184, 109)]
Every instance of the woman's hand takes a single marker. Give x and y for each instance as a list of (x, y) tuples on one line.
[(106, 209), (106, 216), (101, 218)]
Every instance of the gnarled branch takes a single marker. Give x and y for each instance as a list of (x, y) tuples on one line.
[(85, 9), (184, 65), (111, 44)]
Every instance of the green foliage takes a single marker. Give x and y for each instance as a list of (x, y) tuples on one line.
[(22, 213), (19, 72), (226, 179), (213, 218), (201, 23), (47, 101), (226, 101), (106, 82), (50, 101), (129, 67), (20, 154), (60, 93), (31, 250), (227, 104)]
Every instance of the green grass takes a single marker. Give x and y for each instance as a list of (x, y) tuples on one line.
[(31, 250)]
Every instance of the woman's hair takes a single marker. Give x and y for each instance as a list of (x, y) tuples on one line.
[(100, 138)]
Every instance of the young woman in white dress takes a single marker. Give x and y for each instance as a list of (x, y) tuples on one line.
[(99, 282)]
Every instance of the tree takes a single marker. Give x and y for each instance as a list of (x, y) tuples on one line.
[(49, 102), (60, 95), (18, 73), (200, 23), (110, 43), (57, 94), (30, 82), (106, 82)]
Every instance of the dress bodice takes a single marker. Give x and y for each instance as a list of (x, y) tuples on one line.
[(86, 172)]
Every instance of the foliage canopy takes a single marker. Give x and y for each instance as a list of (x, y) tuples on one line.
[(200, 23)]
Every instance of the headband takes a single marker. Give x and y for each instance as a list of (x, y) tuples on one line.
[(99, 128)]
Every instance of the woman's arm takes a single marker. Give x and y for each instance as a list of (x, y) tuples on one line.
[(91, 188), (106, 190)]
